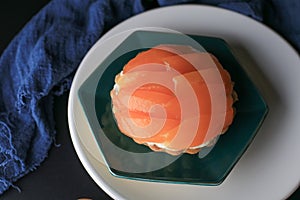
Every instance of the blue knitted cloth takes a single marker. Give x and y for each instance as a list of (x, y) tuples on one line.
[(41, 60)]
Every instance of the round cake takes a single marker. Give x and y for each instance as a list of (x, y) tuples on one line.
[(174, 99)]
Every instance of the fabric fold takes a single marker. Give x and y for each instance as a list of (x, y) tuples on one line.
[(39, 63)]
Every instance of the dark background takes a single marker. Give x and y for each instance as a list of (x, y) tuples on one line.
[(61, 176)]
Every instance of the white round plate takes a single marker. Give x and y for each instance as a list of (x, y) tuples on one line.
[(270, 167)]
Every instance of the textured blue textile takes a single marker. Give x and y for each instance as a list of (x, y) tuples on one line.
[(41, 60)]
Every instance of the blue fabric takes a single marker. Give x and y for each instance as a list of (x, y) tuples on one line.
[(41, 60)]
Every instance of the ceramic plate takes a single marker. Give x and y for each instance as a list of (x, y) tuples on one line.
[(127, 159), (270, 167)]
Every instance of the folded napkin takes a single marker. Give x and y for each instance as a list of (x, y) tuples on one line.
[(41, 60)]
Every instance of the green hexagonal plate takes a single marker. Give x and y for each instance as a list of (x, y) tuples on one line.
[(212, 169)]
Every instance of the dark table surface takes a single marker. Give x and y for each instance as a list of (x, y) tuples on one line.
[(61, 176)]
